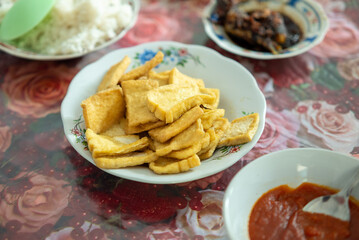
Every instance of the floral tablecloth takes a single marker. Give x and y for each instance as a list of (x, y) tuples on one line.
[(48, 191)]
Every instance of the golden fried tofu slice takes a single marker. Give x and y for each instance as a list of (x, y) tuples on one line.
[(126, 160), (241, 130), (103, 109), (161, 77), (112, 76), (215, 93), (176, 77), (115, 130), (140, 128), (187, 138), (163, 134), (186, 152), (169, 102), (101, 145), (135, 93), (143, 69), (214, 139), (209, 116), (217, 130), (165, 165)]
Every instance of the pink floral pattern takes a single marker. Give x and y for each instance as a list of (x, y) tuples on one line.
[(35, 89), (42, 202), (336, 131), (341, 40)]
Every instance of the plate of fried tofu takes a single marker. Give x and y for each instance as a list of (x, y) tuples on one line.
[(163, 112)]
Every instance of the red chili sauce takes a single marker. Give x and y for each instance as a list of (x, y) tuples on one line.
[(278, 215)]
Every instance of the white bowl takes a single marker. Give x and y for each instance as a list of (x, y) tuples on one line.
[(308, 14), (292, 167), (239, 95), (13, 50)]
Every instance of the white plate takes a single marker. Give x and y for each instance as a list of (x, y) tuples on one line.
[(292, 167), (308, 14), (239, 94), (12, 50)]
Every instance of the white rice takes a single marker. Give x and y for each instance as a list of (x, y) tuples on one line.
[(75, 26)]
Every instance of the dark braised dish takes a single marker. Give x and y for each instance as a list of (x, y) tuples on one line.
[(260, 30)]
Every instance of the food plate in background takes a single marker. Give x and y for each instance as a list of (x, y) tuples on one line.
[(292, 167), (308, 14), (239, 95), (18, 52)]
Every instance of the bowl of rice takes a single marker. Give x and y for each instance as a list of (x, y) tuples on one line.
[(73, 28)]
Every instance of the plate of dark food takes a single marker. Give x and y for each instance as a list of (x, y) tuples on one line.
[(265, 29)]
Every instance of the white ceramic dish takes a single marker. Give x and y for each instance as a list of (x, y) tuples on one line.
[(12, 50), (308, 14), (239, 95), (292, 167)]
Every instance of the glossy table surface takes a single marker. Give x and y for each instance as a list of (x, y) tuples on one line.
[(48, 191)]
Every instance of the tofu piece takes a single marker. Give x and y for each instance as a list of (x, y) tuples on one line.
[(115, 130), (176, 77), (169, 102), (163, 134), (103, 109), (143, 69), (241, 130), (114, 74), (186, 152), (140, 128), (101, 145), (161, 77), (169, 165), (126, 160), (209, 116), (215, 93), (135, 93), (187, 138)]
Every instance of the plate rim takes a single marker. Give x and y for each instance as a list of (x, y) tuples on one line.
[(252, 54), (172, 178), (25, 54)]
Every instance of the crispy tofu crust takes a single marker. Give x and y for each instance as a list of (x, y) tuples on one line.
[(101, 145), (241, 130), (143, 69), (126, 160), (103, 109), (169, 165), (163, 134), (113, 76), (169, 102), (185, 139), (135, 93)]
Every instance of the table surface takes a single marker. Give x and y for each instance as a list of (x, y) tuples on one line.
[(48, 191)]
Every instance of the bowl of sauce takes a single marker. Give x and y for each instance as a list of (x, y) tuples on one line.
[(265, 29), (265, 199)]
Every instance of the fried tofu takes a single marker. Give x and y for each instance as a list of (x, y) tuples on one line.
[(176, 77), (169, 165), (187, 138), (126, 160), (135, 93), (241, 130), (113, 76), (103, 109), (163, 134), (169, 102), (143, 69), (101, 145)]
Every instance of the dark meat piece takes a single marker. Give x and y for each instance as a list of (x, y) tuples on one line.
[(264, 27), (222, 8)]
